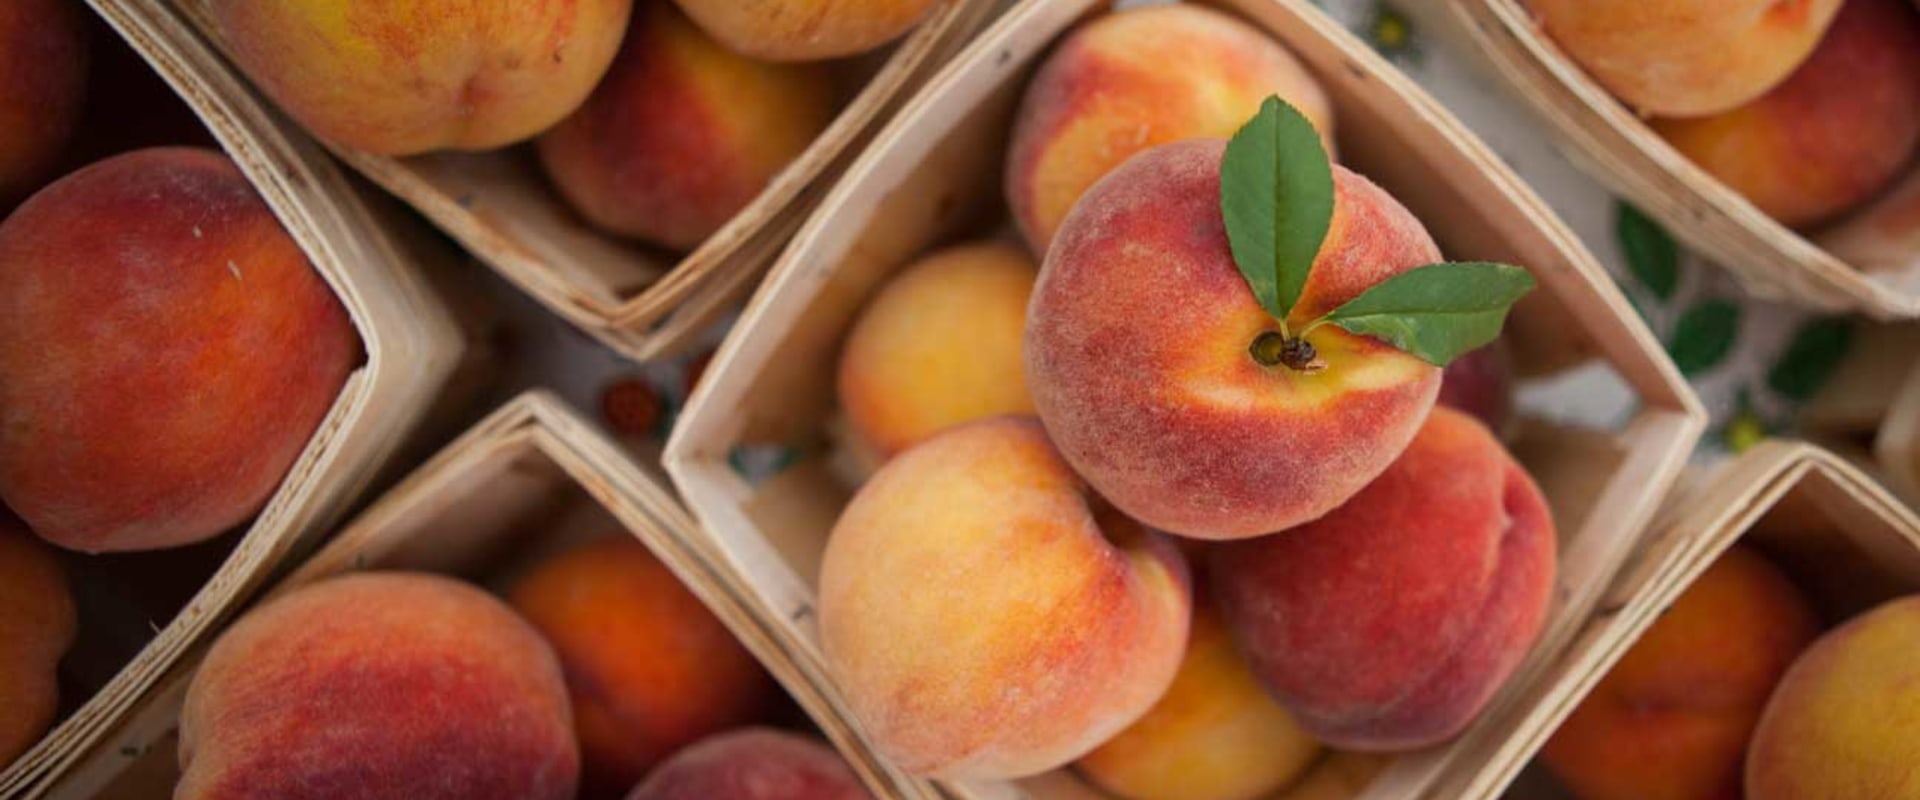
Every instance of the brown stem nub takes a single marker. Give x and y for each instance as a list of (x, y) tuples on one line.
[(1272, 348)]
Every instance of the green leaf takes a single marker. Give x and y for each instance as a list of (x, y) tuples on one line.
[(1276, 196), (1437, 312), (1652, 255), (1810, 358), (1704, 336)]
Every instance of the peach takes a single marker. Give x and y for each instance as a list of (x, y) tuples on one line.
[(167, 355), (1341, 775), (405, 78), (1481, 383), (1885, 235), (682, 134), (1465, 539), (1215, 735), (1686, 57), (1845, 720), (1140, 354), (1836, 133), (649, 669), (806, 30), (37, 625), (43, 84), (1671, 720), (377, 686), (753, 764), (1131, 80), (939, 345), (986, 616)]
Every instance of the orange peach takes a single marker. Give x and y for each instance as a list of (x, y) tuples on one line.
[(1885, 235), (37, 625), (379, 686), (167, 355), (1836, 133), (1215, 735), (1686, 58), (1844, 723), (649, 669), (1671, 720), (1131, 80), (43, 82), (753, 764), (400, 78), (986, 617), (806, 30), (939, 345), (1465, 540), (1140, 357), (1341, 775), (682, 134)]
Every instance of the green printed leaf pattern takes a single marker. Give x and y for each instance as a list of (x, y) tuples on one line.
[(1704, 336), (1810, 358), (1652, 255)]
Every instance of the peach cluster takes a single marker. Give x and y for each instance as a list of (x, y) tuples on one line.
[(1104, 532), (655, 120), (604, 677), (1809, 109)]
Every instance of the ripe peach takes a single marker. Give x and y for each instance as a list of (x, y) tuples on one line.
[(43, 82), (682, 133), (168, 352), (1844, 723), (1671, 720), (1835, 134), (37, 625), (986, 616), (405, 78), (1686, 58), (1138, 354), (939, 345), (379, 686), (1133, 79), (805, 30), (1215, 735), (1481, 383), (649, 669), (1465, 539), (1885, 235), (753, 764), (1341, 775)]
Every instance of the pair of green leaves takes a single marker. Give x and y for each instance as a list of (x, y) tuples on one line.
[(1277, 196)]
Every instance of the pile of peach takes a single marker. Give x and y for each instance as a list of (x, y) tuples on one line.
[(1734, 692), (1106, 528), (1810, 108), (601, 675), (657, 120), (166, 349)]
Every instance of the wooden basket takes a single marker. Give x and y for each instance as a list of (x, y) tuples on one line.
[(410, 340), (1844, 539), (641, 303), (1619, 150), (939, 160), (530, 480)]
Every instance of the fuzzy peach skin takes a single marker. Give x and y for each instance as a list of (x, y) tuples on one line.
[(1671, 720), (1340, 775), (1885, 235), (1138, 354), (753, 764), (1844, 723), (37, 625), (649, 669), (379, 686), (939, 345), (1685, 58), (986, 617), (1465, 540), (806, 30), (1215, 735), (683, 133), (168, 353), (400, 77), (1836, 133), (43, 83), (1130, 80)]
